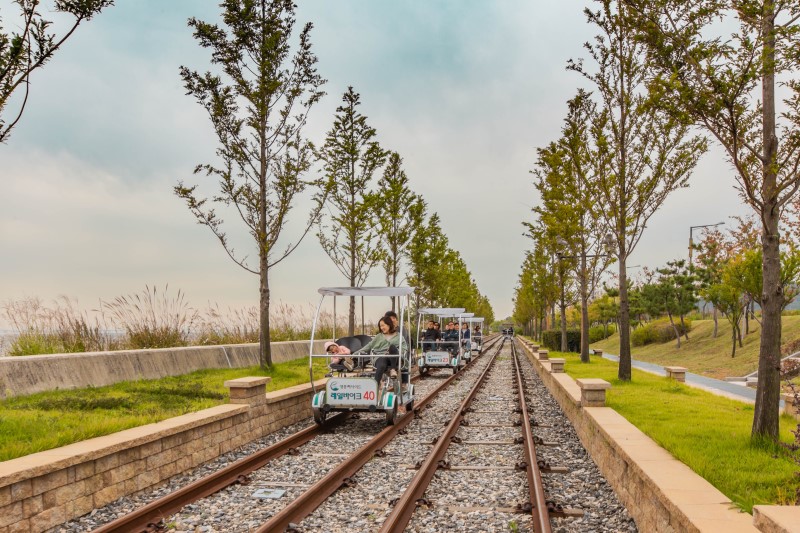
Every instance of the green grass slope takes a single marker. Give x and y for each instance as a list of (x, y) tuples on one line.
[(704, 354), (710, 434)]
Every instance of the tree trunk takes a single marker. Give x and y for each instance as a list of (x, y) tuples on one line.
[(716, 324), (733, 338), (563, 309), (584, 313), (765, 417), (739, 333), (675, 329), (394, 283), (624, 372), (685, 329), (747, 319), (351, 314), (264, 348)]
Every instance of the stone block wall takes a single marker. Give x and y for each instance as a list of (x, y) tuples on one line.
[(42, 490), (660, 493)]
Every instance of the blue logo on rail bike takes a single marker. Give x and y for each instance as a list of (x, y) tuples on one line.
[(334, 386)]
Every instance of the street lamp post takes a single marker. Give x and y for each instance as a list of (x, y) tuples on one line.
[(607, 243), (691, 242)]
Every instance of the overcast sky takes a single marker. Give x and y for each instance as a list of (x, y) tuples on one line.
[(464, 90)]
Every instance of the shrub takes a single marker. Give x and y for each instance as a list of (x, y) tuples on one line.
[(551, 339), (643, 335), (658, 331), (598, 333)]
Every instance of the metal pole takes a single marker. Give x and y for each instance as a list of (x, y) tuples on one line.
[(691, 243)]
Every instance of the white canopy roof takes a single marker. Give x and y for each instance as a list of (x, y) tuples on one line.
[(455, 315), (366, 291), (474, 319), (440, 311), (465, 316)]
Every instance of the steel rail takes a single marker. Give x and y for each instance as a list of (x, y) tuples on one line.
[(539, 511), (308, 501), (404, 509), (147, 517)]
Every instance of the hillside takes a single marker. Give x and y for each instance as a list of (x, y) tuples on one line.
[(706, 355)]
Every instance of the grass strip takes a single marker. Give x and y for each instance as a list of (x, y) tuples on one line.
[(709, 433), (47, 420)]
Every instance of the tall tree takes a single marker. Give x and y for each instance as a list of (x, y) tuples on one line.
[(647, 153), (258, 105), (348, 232), (559, 219), (28, 49), (679, 294), (590, 241), (713, 251), (426, 250), (545, 279), (399, 213), (728, 83)]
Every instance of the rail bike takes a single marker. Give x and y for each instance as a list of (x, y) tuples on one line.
[(446, 351), (354, 388)]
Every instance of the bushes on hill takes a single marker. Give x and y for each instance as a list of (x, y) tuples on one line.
[(551, 338), (598, 333), (658, 331)]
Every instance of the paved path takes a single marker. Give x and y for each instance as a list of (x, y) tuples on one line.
[(716, 386)]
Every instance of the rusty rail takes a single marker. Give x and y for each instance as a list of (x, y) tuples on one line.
[(405, 506), (306, 503), (539, 509), (147, 518)]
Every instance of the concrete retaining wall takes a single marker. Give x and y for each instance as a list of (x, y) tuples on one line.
[(42, 490), (37, 373)]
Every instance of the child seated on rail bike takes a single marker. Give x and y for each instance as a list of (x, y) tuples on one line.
[(332, 348)]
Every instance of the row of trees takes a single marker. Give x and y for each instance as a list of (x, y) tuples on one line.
[(258, 98), (259, 104), (363, 226), (661, 70)]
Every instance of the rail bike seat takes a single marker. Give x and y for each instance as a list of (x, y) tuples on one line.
[(351, 343), (364, 339)]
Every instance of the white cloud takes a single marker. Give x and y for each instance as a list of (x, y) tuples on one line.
[(464, 90)]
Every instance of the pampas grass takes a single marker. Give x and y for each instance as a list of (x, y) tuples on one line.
[(152, 318)]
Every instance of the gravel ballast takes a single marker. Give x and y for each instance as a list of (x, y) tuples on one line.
[(462, 499)]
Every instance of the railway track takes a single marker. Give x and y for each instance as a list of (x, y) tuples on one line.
[(245, 472), (427, 500), (480, 473)]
